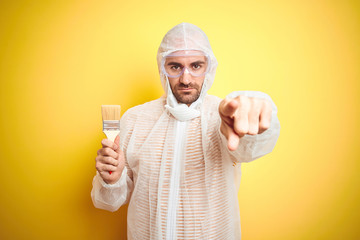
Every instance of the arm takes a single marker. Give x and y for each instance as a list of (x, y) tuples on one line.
[(111, 191), (249, 125)]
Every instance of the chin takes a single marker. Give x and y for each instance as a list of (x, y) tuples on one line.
[(187, 99)]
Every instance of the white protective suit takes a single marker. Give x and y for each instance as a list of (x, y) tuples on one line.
[(179, 178)]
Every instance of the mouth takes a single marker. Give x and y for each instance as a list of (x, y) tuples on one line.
[(186, 89)]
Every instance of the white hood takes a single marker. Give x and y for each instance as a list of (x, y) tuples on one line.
[(185, 36)]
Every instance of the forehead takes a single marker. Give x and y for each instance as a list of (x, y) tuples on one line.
[(186, 56), (187, 53)]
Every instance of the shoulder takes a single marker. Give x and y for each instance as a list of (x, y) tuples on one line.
[(211, 99), (149, 110), (211, 104)]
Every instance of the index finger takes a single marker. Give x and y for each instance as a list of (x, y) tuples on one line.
[(228, 107), (107, 143)]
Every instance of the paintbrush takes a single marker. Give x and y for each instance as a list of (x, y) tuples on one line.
[(111, 121)]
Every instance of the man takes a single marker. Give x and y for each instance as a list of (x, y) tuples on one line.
[(178, 158)]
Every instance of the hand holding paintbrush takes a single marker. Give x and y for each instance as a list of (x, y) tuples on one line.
[(110, 159)]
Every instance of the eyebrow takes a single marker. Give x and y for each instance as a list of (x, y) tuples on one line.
[(198, 62), (174, 63), (179, 64)]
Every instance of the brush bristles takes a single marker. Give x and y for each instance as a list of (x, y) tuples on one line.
[(110, 112)]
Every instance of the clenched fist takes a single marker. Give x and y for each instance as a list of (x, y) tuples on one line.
[(110, 158), (243, 115)]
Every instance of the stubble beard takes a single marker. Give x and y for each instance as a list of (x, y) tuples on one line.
[(187, 97)]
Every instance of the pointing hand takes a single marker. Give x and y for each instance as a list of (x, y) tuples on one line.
[(243, 115)]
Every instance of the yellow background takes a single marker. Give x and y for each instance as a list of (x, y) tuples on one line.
[(60, 60)]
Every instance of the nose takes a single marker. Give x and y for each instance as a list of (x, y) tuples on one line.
[(185, 78)]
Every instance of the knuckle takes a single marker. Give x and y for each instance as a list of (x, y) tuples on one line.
[(116, 163), (101, 159), (98, 166), (267, 104), (253, 131), (244, 103), (243, 99), (241, 130), (265, 125), (111, 160), (107, 151), (256, 103), (108, 160)]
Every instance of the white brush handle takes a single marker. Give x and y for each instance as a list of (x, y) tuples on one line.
[(111, 134)]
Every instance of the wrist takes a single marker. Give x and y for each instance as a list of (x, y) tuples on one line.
[(115, 181)]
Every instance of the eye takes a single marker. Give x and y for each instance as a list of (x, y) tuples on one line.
[(175, 67), (196, 66)]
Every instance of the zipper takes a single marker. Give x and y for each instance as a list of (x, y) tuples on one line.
[(175, 179)]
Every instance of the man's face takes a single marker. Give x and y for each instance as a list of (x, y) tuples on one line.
[(186, 76)]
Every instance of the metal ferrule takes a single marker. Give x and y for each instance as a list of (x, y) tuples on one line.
[(111, 125)]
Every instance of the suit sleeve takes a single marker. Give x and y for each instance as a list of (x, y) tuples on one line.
[(111, 196)]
